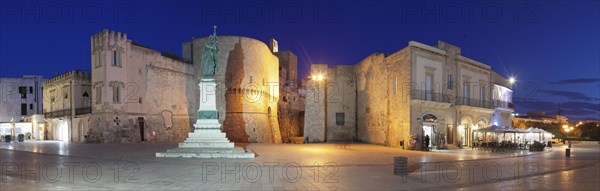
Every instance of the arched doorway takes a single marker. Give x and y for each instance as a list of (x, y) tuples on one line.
[(464, 129), (429, 122), (478, 136)]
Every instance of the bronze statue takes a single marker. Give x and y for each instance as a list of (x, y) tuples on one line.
[(209, 55)]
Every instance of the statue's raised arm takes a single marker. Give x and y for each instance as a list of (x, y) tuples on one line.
[(209, 55)]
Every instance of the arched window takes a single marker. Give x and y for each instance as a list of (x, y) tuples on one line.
[(429, 118), (481, 123)]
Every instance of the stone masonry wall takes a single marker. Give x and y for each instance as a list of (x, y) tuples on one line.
[(383, 109), (315, 114), (341, 104), (247, 76)]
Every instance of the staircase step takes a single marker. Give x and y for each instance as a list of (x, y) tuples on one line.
[(191, 140), (206, 150), (207, 155), (206, 135), (206, 144)]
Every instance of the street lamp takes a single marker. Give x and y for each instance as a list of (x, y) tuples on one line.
[(512, 80), (317, 77)]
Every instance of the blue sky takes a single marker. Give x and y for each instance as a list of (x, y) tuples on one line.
[(553, 48)]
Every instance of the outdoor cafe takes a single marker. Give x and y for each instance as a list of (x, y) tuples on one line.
[(496, 138)]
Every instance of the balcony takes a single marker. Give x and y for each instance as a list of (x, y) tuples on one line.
[(504, 104), (59, 113), (445, 98), (430, 96), (67, 112), (83, 110), (474, 102)]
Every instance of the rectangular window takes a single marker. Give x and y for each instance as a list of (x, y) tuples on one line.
[(23, 91), (30, 106), (466, 93), (98, 95), (114, 57), (117, 59), (429, 87), (482, 96), (116, 94), (30, 89), (450, 82), (23, 109), (339, 118)]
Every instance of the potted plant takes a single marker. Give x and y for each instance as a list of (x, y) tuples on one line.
[(537, 146), (7, 138), (20, 137)]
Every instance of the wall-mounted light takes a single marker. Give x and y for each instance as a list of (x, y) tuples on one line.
[(512, 80), (317, 77)]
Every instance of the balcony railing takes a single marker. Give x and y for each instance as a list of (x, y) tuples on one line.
[(67, 112), (504, 104), (59, 113), (474, 102), (84, 110), (431, 96), (446, 98)]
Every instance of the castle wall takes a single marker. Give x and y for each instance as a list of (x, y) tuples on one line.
[(316, 115), (248, 87), (341, 103), (155, 92), (382, 108)]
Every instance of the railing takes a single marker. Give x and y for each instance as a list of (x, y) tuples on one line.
[(84, 110), (474, 102), (504, 104), (67, 112), (430, 96), (445, 98), (59, 113)]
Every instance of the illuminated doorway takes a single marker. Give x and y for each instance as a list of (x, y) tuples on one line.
[(463, 132), (429, 123), (429, 130), (62, 130)]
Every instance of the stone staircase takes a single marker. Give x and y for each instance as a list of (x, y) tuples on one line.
[(204, 143)]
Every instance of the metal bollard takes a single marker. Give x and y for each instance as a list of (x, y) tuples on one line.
[(568, 152), (401, 166)]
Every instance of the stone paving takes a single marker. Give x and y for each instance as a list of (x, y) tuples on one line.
[(71, 166)]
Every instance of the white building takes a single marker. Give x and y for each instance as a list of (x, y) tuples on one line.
[(20, 99), (455, 95), (67, 104), (419, 90)]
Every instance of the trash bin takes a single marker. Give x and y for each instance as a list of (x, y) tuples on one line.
[(400, 166), (568, 152)]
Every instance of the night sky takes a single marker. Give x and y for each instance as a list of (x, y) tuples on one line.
[(552, 48)]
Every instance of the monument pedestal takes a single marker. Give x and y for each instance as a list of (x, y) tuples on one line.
[(207, 140)]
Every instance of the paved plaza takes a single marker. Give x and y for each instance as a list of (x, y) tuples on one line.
[(51, 165)]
